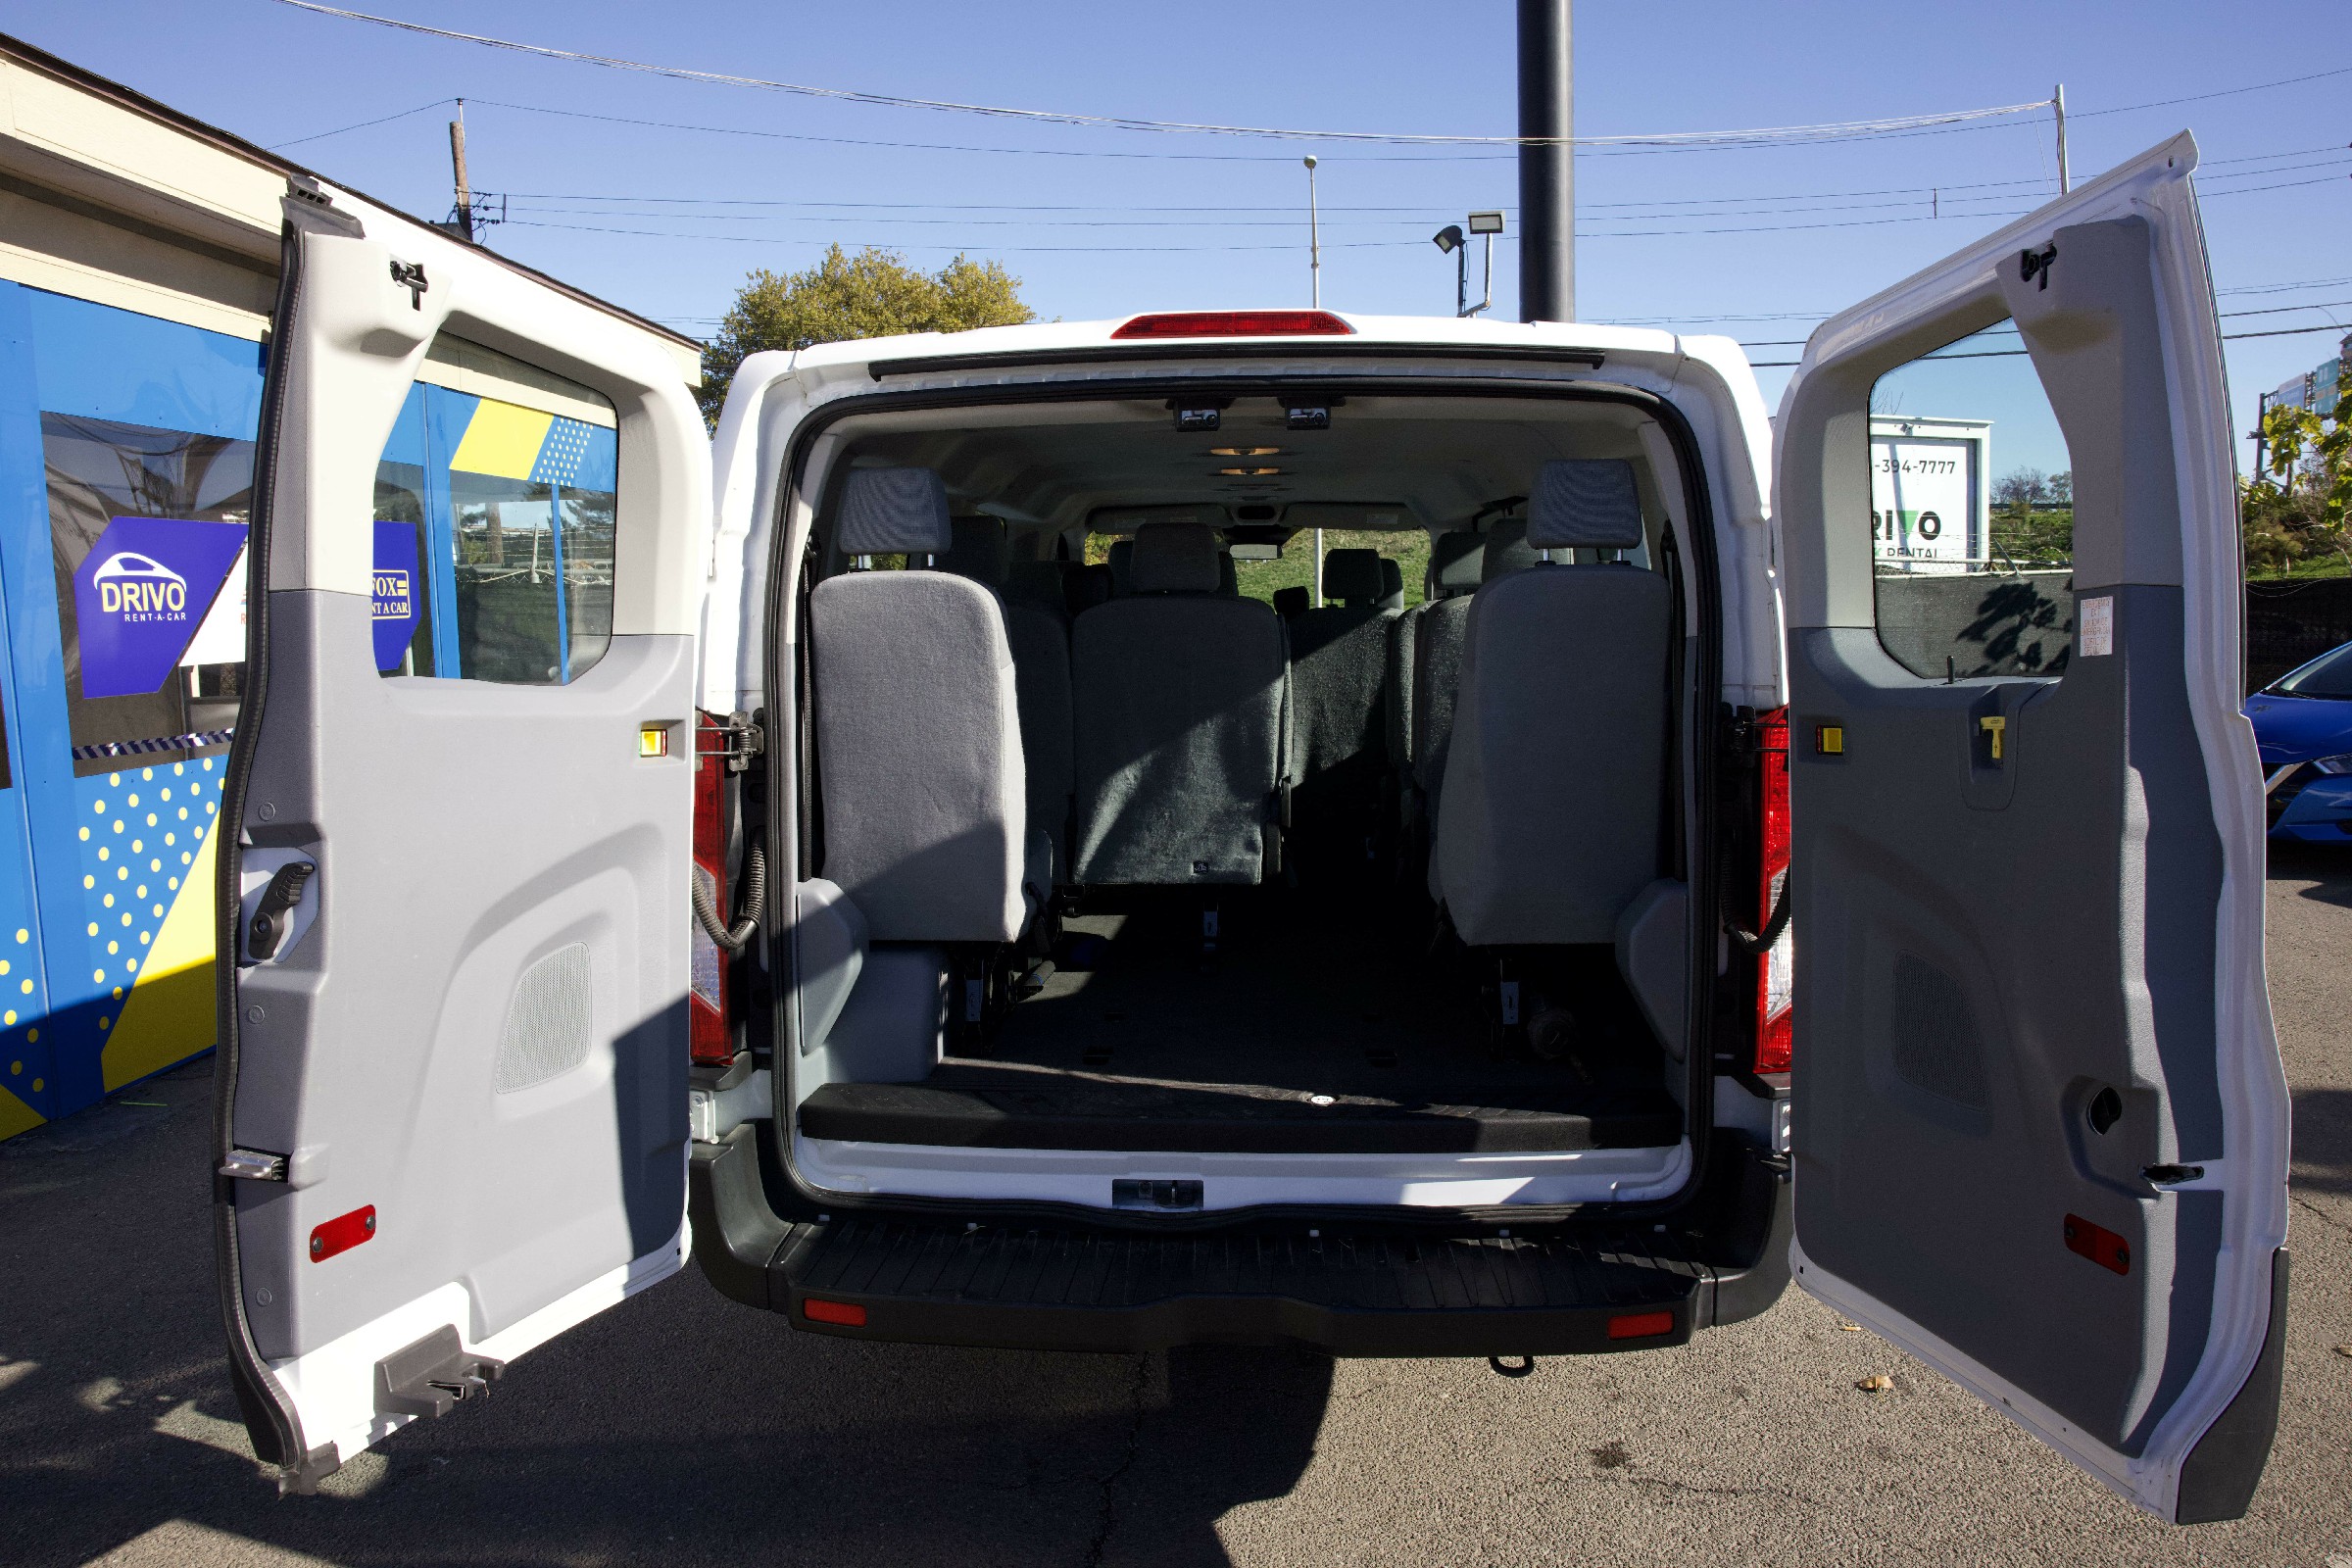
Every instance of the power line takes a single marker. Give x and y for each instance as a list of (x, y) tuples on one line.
[(1770, 134), (1010, 250), (2225, 92), (1211, 214), (2007, 354), (361, 126), (2275, 310)]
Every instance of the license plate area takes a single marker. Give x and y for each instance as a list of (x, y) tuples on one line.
[(1156, 1196)]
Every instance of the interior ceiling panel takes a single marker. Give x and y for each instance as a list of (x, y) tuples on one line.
[(1443, 458)]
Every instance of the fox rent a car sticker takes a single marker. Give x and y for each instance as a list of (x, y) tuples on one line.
[(140, 595), (392, 609)]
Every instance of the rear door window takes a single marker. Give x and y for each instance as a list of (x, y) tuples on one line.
[(493, 523), (1972, 512)]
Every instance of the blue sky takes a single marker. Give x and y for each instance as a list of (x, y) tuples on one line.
[(1810, 229)]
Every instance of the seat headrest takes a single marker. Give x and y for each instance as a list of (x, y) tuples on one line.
[(1035, 582), (1584, 504), (1174, 558), (1453, 563), (886, 510), (1289, 602), (1506, 550), (1086, 587), (1352, 575), (979, 550), (1391, 584)]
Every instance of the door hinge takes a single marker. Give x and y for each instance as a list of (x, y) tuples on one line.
[(253, 1165), (411, 277), (736, 738), (432, 1376)]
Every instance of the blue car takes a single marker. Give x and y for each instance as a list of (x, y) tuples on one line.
[(2303, 723)]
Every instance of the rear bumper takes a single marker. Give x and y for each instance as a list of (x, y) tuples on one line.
[(1556, 1289)]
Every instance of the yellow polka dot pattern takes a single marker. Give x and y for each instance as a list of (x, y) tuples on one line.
[(134, 869)]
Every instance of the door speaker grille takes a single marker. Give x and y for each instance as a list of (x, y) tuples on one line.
[(546, 1032), (1935, 1035)]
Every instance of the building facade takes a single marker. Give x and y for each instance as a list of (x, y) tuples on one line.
[(138, 261)]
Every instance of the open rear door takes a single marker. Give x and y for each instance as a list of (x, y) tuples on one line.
[(455, 833), (2040, 1124)]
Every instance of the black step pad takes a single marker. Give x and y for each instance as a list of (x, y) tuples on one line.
[(1353, 1295), (1011, 1106)]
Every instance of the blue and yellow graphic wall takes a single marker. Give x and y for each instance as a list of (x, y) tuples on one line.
[(127, 451)]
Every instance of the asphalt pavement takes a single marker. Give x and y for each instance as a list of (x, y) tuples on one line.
[(682, 1428)]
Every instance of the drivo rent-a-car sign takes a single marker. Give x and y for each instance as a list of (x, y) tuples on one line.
[(140, 595), (1927, 491)]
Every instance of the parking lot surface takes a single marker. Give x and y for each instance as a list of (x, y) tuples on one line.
[(685, 1429)]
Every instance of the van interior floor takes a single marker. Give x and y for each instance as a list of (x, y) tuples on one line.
[(1315, 1028)]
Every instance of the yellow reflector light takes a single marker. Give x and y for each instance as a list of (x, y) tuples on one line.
[(653, 740)]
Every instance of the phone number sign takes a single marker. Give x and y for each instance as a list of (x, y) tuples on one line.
[(1923, 499)]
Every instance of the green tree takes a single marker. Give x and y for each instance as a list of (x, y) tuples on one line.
[(2301, 505), (872, 294)]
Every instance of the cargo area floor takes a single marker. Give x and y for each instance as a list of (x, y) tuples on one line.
[(1314, 1030)]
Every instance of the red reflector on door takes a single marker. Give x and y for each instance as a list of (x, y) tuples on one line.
[(1235, 323), (1640, 1325), (2098, 1244), (342, 1233), (849, 1314)]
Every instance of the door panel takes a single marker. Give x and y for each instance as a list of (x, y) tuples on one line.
[(2040, 1115), (455, 1065)]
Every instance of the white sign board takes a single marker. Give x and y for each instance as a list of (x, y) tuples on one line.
[(1927, 504)]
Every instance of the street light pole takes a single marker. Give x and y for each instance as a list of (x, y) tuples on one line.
[(1314, 241), (2066, 180), (1546, 163)]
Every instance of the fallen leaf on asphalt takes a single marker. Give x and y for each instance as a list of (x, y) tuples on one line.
[(1849, 1328), (1876, 1383), (2344, 1350)]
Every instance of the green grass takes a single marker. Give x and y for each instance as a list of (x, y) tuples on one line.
[(1258, 580)]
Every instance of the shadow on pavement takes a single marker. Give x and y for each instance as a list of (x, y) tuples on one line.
[(680, 1426), (2330, 869)]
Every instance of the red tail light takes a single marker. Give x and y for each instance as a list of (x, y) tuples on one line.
[(711, 1036), (1235, 323), (849, 1314), (1775, 971), (1640, 1325)]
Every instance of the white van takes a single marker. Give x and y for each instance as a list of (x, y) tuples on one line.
[(924, 888)]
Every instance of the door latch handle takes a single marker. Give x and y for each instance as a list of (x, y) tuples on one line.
[(1994, 726), (271, 917)]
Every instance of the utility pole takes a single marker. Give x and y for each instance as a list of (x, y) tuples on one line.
[(1547, 162), (2066, 179), (1314, 274), (462, 214)]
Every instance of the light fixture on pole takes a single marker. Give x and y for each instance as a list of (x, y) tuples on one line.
[(1314, 239), (1490, 224), (1451, 241)]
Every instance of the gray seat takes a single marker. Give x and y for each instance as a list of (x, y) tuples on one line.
[(1452, 572), (1181, 698), (1458, 565), (1040, 639), (1549, 820), (1339, 742), (918, 735)]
